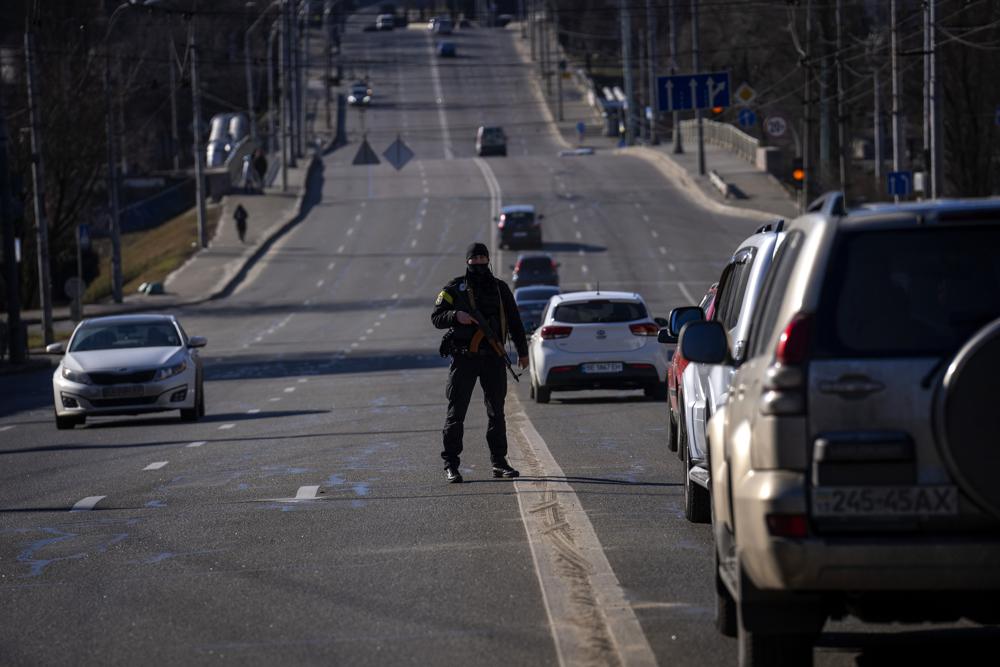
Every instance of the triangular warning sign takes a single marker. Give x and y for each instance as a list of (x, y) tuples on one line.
[(398, 154), (365, 154)]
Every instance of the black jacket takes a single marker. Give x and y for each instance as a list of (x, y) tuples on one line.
[(455, 297)]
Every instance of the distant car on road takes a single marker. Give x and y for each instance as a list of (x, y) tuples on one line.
[(531, 301), (491, 141), (127, 365), (535, 269), (446, 49), (519, 225), (596, 340), (360, 95), (441, 25), (385, 22)]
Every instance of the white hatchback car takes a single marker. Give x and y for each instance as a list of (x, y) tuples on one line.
[(127, 365), (597, 340)]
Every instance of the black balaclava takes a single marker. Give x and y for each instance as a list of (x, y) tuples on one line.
[(477, 272)]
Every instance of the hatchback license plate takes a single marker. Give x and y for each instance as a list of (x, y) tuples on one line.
[(860, 501), (520, 234), (124, 391), (605, 367)]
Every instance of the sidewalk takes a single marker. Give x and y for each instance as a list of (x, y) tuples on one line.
[(765, 198)]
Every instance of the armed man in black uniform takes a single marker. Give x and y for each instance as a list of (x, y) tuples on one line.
[(478, 353)]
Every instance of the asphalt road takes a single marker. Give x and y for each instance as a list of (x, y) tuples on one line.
[(323, 382)]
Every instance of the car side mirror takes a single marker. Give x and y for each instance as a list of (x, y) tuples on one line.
[(681, 316), (197, 341), (55, 348), (666, 337), (705, 342)]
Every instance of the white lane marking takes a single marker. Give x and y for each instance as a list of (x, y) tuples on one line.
[(303, 380), (370, 331), (420, 226), (571, 565), (350, 231), (329, 267), (687, 294), (320, 283), (671, 267), (407, 261), (289, 390), (402, 277), (363, 338), (655, 233), (354, 345), (663, 251), (637, 204), (442, 117), (382, 316), (645, 217), (580, 252), (5, 428), (572, 206), (578, 235), (340, 249), (493, 185), (588, 287), (377, 324), (394, 296), (196, 443), (87, 503), (156, 465), (427, 190), (306, 493), (226, 427), (258, 339), (253, 411), (413, 243), (357, 218), (363, 204), (274, 399), (576, 218), (308, 302), (584, 269)]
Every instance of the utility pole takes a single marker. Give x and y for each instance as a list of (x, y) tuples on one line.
[(841, 121), (935, 95), (251, 118), (626, 23), (285, 100), (532, 39), (289, 88), (676, 119), (806, 112), (272, 123), (328, 95), (654, 101), (896, 161), (546, 56), (199, 176), (175, 141), (695, 66), (38, 176), (559, 69), (303, 72), (15, 342), (116, 241)]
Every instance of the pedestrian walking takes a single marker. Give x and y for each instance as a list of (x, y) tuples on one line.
[(241, 215), (248, 175), (479, 312), (260, 166)]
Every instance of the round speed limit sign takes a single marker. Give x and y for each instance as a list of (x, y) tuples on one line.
[(776, 126)]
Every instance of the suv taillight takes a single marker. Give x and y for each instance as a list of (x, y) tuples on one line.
[(555, 331), (785, 384), (500, 222), (644, 329)]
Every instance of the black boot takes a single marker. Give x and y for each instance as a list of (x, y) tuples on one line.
[(502, 469), (452, 475)]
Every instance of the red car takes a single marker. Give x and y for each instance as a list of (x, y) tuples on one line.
[(677, 365)]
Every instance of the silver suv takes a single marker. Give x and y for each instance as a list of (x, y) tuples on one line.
[(855, 464)]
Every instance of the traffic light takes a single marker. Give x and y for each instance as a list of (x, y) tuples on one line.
[(798, 173)]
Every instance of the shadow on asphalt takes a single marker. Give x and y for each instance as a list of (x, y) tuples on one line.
[(560, 246), (253, 366), (946, 646), (209, 418), (572, 480), (245, 308), (596, 400)]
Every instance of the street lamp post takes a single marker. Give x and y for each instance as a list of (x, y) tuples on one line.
[(249, 71)]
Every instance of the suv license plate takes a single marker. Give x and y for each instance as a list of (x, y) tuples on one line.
[(607, 367), (520, 234), (859, 501), (124, 391)]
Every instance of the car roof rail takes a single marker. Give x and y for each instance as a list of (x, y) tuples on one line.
[(829, 204), (776, 226)]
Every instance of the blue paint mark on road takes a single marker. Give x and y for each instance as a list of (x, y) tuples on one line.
[(362, 489), (38, 565), (156, 504), (334, 480)]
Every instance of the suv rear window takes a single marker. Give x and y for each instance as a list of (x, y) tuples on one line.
[(917, 292), (519, 218), (599, 312), (535, 265)]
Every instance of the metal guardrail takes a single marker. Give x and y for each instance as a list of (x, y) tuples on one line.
[(722, 135)]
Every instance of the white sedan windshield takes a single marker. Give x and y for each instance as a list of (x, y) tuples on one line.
[(121, 336)]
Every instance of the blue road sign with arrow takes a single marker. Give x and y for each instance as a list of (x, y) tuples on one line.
[(747, 118), (900, 183), (685, 92)]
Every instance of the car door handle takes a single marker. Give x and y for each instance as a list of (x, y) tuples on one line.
[(851, 386)]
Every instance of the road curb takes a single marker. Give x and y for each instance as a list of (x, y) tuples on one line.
[(678, 174)]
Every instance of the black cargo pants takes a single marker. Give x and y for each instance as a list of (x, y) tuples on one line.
[(491, 373)]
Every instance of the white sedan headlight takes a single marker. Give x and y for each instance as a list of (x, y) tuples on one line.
[(170, 371), (75, 376)]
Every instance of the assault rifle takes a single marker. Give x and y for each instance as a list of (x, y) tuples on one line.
[(486, 332)]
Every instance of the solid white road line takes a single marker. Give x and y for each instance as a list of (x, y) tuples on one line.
[(5, 428), (306, 493), (574, 573), (439, 96), (196, 443), (493, 185), (320, 283), (687, 294), (226, 427), (87, 503), (253, 411), (156, 465)]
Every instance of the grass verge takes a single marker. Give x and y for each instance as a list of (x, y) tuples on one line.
[(150, 255)]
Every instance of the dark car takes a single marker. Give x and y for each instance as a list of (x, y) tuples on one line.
[(446, 49), (531, 301), (538, 269), (519, 225), (678, 363)]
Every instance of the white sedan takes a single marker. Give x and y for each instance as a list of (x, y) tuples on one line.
[(596, 340), (127, 365)]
